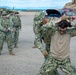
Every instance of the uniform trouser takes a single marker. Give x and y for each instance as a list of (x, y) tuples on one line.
[(51, 64), (47, 47), (55, 71), (13, 33), (37, 36), (16, 36), (35, 41), (8, 38)]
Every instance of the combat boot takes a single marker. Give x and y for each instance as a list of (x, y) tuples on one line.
[(15, 46), (34, 47), (11, 53)]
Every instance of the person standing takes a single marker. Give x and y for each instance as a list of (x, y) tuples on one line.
[(59, 56), (5, 33), (17, 26), (11, 17), (40, 19), (36, 27)]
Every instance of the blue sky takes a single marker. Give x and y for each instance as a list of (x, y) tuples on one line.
[(34, 3)]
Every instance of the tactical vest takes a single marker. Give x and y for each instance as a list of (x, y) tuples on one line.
[(16, 21), (5, 23)]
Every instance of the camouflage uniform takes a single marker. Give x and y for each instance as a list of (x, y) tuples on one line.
[(37, 25), (17, 25), (47, 37), (0, 16), (51, 64), (74, 22), (0, 19), (11, 16), (5, 33), (38, 34)]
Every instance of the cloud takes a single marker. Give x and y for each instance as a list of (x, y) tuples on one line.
[(33, 3)]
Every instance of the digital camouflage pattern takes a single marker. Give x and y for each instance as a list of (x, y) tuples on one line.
[(5, 33), (11, 17), (17, 22), (0, 16), (38, 18), (17, 25), (38, 34), (37, 28), (51, 64)]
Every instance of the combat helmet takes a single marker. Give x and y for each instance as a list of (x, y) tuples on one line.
[(39, 16), (4, 13)]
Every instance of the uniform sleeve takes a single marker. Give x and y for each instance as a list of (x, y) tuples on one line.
[(1, 27), (49, 27), (13, 20), (34, 25), (38, 41), (50, 24), (72, 30), (20, 21), (11, 24)]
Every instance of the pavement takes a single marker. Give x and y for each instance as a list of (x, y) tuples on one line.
[(27, 60)]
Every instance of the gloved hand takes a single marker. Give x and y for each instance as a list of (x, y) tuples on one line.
[(44, 52)]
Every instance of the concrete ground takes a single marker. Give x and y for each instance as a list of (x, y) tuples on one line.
[(27, 60)]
